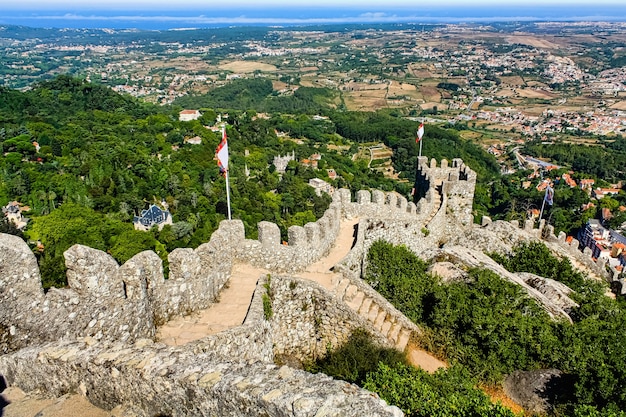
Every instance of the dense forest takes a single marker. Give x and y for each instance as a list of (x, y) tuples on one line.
[(487, 328), (605, 160), (85, 160)]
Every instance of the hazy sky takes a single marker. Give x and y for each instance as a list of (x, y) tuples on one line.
[(160, 14), (210, 4)]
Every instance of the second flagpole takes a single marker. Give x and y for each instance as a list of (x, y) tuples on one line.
[(227, 182)]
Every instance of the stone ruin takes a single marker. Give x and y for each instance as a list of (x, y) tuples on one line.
[(96, 337)]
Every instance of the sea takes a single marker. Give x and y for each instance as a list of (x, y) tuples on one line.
[(303, 16)]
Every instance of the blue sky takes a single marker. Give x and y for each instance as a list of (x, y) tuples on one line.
[(164, 14), (212, 5)]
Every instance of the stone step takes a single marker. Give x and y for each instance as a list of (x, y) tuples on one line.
[(394, 332), (341, 288), (350, 293), (380, 319), (365, 307), (356, 301), (403, 339), (373, 313), (385, 328)]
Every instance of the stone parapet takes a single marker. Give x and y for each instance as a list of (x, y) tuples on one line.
[(307, 320), (150, 379)]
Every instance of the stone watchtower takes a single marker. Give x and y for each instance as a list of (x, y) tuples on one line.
[(454, 183)]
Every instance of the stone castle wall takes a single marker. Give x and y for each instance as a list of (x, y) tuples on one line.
[(111, 309), (151, 379), (94, 339), (103, 300), (230, 373), (307, 320)]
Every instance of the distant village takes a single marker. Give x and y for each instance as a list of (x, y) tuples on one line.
[(604, 242)]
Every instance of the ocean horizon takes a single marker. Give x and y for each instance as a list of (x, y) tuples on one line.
[(299, 16)]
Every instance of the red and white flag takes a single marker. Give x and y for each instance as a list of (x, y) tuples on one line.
[(222, 153), (420, 133)]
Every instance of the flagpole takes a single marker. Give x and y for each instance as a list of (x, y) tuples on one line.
[(228, 194), (227, 176), (549, 195), (420, 134)]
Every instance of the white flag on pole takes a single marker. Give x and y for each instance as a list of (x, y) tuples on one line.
[(222, 153), (420, 133)]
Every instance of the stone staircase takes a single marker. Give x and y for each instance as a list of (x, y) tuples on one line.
[(375, 313), (439, 200)]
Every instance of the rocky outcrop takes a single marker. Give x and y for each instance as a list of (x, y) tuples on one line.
[(555, 291), (20, 288), (536, 391), (471, 258), (448, 272)]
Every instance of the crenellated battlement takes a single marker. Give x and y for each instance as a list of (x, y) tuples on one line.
[(108, 303), (135, 296), (110, 309), (450, 176), (560, 245)]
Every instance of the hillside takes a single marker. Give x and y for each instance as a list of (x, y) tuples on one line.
[(75, 151)]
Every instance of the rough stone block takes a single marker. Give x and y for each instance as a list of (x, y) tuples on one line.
[(380, 319), (356, 301), (141, 272), (402, 203), (391, 200), (297, 236), (378, 197), (433, 163), (334, 214), (373, 313), (411, 208), (574, 244), (486, 221), (323, 227), (562, 236), (365, 306), (18, 267), (344, 196), (403, 339), (351, 291), (269, 233), (444, 164), (453, 176), (394, 332), (92, 272), (312, 233), (184, 264), (515, 223), (385, 328), (363, 197), (341, 288), (587, 251), (234, 230)]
